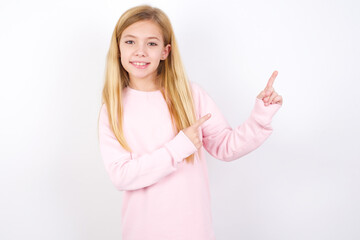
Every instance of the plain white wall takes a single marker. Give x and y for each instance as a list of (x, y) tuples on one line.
[(302, 183)]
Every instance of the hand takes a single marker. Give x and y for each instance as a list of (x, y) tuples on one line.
[(192, 132), (268, 95)]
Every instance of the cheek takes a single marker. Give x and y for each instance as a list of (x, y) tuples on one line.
[(156, 55), (124, 60), (124, 56)]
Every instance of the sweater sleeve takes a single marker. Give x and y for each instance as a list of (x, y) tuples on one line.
[(225, 143), (130, 172)]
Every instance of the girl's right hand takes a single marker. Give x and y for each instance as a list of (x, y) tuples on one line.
[(268, 95), (192, 132)]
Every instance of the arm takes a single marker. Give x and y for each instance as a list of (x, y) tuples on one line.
[(130, 173), (225, 143)]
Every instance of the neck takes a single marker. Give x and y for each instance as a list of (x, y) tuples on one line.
[(144, 85)]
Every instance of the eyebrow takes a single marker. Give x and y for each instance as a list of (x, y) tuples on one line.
[(129, 35)]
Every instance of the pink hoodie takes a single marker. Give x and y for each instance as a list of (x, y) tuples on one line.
[(164, 198)]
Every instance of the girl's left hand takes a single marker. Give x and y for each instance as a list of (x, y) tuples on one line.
[(268, 95)]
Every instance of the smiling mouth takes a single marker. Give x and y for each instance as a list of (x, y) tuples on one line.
[(140, 65)]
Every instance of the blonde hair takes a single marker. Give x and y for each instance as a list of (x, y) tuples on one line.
[(175, 86)]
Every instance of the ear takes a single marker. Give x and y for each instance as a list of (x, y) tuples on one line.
[(166, 52)]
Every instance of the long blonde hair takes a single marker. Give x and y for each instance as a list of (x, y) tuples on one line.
[(175, 86)]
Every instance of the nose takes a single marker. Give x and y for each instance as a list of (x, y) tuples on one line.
[(140, 51)]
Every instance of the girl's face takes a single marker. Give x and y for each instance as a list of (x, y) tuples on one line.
[(141, 49)]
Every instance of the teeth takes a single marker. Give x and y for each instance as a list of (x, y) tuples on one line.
[(139, 64)]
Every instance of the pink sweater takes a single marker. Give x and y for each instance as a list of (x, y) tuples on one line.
[(164, 198)]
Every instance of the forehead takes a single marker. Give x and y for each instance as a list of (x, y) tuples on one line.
[(143, 29)]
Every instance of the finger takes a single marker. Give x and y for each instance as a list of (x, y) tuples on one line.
[(198, 145), (278, 100), (268, 94), (269, 91), (273, 95), (199, 122), (271, 80), (261, 95)]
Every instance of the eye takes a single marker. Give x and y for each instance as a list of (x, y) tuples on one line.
[(129, 41), (153, 44)]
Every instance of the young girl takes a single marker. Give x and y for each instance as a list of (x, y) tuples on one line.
[(154, 125)]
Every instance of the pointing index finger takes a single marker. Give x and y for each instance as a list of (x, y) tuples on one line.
[(199, 122), (271, 80)]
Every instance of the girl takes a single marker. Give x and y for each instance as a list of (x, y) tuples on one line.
[(154, 125)]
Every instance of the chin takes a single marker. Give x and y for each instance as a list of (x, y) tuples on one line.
[(140, 76)]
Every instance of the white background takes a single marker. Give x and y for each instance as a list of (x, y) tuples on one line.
[(302, 183)]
